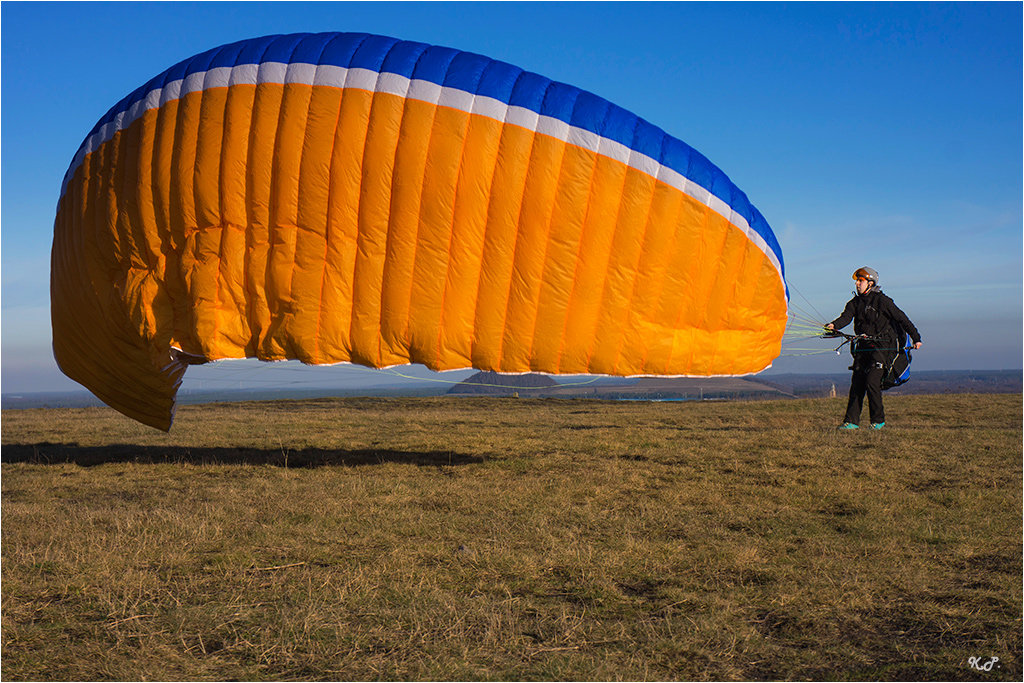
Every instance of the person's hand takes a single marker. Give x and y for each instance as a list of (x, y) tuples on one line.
[(830, 326), (917, 345)]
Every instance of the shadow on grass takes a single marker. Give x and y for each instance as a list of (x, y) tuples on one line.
[(88, 456)]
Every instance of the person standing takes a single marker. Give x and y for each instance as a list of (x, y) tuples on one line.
[(875, 316)]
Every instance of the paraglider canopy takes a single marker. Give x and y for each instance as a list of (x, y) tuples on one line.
[(356, 198)]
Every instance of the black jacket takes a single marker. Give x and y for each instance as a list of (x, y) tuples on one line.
[(873, 314)]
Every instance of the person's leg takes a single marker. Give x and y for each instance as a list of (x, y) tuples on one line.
[(854, 405), (873, 388)]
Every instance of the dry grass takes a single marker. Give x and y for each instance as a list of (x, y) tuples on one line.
[(514, 540)]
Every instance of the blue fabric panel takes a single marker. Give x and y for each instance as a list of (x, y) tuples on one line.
[(433, 64), (741, 205), (758, 223), (648, 139), (465, 71), (341, 48), (619, 125), (720, 185), (675, 154), (228, 56), (559, 101), (198, 63), (498, 80), (528, 91), (281, 48), (253, 51), (176, 72), (309, 49), (475, 74), (371, 53), (402, 58), (699, 170), (588, 111)]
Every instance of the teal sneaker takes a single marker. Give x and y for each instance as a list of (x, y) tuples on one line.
[(849, 425), (877, 425)]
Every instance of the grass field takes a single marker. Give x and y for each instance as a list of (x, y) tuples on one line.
[(514, 539)]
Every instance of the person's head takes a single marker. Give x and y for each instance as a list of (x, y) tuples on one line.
[(866, 279)]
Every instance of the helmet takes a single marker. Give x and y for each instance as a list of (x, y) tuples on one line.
[(866, 273)]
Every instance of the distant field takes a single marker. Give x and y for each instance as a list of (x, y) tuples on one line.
[(762, 386), (514, 539)]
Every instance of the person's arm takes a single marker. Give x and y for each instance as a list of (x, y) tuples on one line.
[(899, 316), (844, 319)]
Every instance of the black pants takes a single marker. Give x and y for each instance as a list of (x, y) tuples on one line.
[(867, 381)]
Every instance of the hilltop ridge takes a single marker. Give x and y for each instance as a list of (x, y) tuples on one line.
[(751, 387)]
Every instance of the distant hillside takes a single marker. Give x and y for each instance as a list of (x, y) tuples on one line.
[(923, 382), (490, 383), (753, 387), (971, 382), (675, 388), (617, 388)]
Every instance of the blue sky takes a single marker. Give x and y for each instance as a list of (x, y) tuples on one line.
[(887, 135)]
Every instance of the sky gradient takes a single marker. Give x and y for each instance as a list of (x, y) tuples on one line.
[(886, 135)]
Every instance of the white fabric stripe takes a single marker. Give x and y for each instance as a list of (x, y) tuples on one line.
[(392, 84), (170, 92), (193, 83), (616, 150), (301, 74), (330, 76), (217, 78), (643, 163), (425, 91), (271, 72), (578, 137), (363, 79), (244, 74), (150, 101), (456, 99), (522, 117), (490, 107), (553, 127)]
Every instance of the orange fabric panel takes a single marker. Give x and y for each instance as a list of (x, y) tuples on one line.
[(500, 243), (311, 219), (345, 175), (580, 318), (266, 108), (460, 300), (404, 221), (329, 225), (559, 257), (528, 259), (631, 224), (206, 175), (433, 235), (99, 355), (371, 242)]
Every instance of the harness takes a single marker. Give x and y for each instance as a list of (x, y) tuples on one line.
[(895, 368)]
